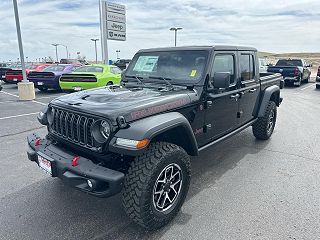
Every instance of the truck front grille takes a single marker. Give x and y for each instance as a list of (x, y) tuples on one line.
[(72, 127)]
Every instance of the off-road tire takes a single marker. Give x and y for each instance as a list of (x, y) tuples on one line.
[(139, 184), (110, 83), (261, 128)]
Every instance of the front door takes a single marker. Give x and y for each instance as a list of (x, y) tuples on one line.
[(250, 86), (222, 104)]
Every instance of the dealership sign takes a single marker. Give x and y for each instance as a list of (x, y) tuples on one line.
[(116, 21)]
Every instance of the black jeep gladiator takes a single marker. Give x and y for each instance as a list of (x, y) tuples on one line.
[(136, 138)]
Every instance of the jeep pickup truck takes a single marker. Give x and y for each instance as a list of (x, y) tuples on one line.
[(136, 138), (293, 71)]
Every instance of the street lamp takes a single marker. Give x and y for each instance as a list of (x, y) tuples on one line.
[(175, 29), (66, 49), (56, 45), (95, 47), (25, 88), (118, 51)]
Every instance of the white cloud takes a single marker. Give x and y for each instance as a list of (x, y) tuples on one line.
[(275, 26)]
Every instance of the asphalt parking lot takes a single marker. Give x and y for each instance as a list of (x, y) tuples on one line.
[(241, 188)]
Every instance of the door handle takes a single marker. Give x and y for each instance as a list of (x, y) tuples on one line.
[(235, 96), (252, 90)]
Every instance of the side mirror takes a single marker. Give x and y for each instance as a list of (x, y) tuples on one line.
[(221, 79)]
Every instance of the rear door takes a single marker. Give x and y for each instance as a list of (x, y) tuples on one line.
[(222, 104), (249, 86)]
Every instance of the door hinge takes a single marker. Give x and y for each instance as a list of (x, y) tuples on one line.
[(207, 127), (208, 104), (239, 114)]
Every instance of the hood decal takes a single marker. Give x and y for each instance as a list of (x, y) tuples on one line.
[(157, 109)]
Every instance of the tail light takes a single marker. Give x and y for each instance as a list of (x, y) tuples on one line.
[(296, 72)]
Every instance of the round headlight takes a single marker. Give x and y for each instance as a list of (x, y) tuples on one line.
[(105, 129)]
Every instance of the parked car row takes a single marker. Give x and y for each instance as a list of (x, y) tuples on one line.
[(74, 77)]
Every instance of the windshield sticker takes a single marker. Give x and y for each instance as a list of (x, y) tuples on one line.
[(193, 73), (145, 63)]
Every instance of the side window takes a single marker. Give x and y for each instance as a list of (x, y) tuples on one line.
[(115, 70), (224, 63), (247, 67)]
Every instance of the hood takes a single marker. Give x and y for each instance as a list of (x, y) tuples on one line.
[(132, 104)]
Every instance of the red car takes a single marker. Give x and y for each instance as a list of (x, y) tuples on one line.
[(15, 75)]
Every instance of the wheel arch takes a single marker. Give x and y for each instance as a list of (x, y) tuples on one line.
[(271, 93), (170, 127)]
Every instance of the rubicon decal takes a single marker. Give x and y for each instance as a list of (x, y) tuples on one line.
[(157, 109)]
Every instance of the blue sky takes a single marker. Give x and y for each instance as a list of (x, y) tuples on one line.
[(273, 26)]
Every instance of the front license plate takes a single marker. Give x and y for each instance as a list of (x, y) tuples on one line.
[(15, 79), (77, 88), (45, 164), (40, 83)]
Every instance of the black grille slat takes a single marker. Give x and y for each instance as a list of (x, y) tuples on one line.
[(82, 128), (72, 127), (89, 137)]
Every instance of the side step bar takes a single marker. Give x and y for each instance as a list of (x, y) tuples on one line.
[(228, 135)]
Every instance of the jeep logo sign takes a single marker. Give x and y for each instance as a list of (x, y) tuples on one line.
[(116, 26)]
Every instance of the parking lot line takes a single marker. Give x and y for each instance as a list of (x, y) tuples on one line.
[(307, 87), (20, 115), (13, 95)]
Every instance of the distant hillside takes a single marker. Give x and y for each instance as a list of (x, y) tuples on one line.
[(311, 58), (289, 55)]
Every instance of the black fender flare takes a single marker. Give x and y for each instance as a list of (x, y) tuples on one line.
[(151, 127), (267, 95)]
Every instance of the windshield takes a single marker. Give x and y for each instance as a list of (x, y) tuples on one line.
[(176, 65), (89, 69), (289, 63), (55, 68)]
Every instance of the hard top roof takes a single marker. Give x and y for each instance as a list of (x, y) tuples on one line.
[(215, 47)]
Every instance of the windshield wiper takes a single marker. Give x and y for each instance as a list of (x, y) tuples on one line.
[(137, 78), (164, 79)]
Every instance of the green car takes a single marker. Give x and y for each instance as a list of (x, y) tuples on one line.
[(90, 76)]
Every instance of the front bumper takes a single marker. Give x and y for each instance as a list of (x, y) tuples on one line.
[(108, 181)]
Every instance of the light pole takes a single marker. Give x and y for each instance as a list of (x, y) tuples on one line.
[(175, 29), (117, 51), (25, 88), (95, 47), (56, 45), (66, 49)]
